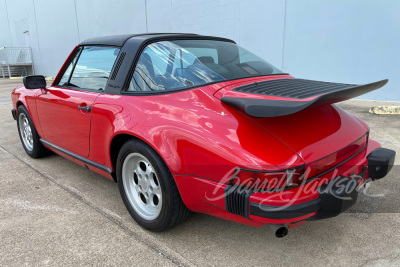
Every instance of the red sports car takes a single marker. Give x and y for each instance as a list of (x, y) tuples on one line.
[(185, 122)]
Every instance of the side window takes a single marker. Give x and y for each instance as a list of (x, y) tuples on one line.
[(93, 67), (65, 78)]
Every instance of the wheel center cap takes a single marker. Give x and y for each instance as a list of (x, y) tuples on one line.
[(144, 185)]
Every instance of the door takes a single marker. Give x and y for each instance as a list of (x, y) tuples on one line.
[(64, 110)]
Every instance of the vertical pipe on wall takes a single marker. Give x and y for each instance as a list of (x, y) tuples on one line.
[(284, 39), (37, 36), (145, 10), (8, 20), (77, 24)]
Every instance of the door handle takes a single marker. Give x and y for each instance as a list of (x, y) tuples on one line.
[(85, 108)]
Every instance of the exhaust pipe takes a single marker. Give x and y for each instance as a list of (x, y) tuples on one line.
[(280, 230)]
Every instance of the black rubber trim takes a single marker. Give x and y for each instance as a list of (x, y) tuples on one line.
[(237, 202), (14, 113), (262, 108), (284, 212), (335, 196), (77, 157), (380, 162)]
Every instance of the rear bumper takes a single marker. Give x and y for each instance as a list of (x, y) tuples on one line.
[(284, 212), (305, 202), (334, 197), (315, 200), (14, 113)]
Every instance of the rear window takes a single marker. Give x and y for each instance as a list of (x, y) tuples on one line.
[(171, 65)]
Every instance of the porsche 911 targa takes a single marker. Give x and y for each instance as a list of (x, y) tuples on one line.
[(184, 122)]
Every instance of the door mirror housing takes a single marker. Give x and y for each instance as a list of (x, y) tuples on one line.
[(34, 82)]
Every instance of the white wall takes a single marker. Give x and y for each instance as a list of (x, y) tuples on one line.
[(107, 17), (354, 41), (246, 22), (57, 33), (345, 41)]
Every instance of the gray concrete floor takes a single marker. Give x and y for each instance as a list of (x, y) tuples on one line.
[(54, 212)]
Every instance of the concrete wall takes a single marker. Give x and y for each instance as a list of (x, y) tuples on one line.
[(334, 40)]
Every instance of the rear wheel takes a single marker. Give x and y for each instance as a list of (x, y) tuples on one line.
[(29, 137), (148, 188)]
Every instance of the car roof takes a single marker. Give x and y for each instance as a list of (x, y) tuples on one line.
[(119, 40)]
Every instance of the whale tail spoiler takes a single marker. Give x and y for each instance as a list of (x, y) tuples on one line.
[(281, 97)]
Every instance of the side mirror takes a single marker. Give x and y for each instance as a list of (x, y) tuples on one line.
[(34, 82)]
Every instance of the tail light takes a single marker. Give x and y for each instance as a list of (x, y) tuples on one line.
[(317, 167), (279, 179)]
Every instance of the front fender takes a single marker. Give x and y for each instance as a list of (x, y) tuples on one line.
[(27, 97)]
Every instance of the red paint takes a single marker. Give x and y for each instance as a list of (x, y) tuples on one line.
[(292, 225), (62, 123)]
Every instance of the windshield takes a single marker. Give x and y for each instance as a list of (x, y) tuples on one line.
[(170, 65)]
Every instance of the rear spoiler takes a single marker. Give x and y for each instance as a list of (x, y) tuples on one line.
[(298, 94)]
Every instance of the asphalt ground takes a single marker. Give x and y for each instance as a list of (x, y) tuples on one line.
[(55, 212)]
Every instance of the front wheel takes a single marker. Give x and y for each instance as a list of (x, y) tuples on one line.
[(148, 188)]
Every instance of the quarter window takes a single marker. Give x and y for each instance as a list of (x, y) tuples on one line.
[(93, 67)]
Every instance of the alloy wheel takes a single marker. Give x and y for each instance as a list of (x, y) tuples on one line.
[(142, 186)]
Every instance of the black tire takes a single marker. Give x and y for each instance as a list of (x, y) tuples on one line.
[(173, 210), (37, 150)]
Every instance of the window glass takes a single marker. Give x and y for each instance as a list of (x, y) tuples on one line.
[(93, 67), (65, 78), (159, 57), (188, 56), (170, 65)]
